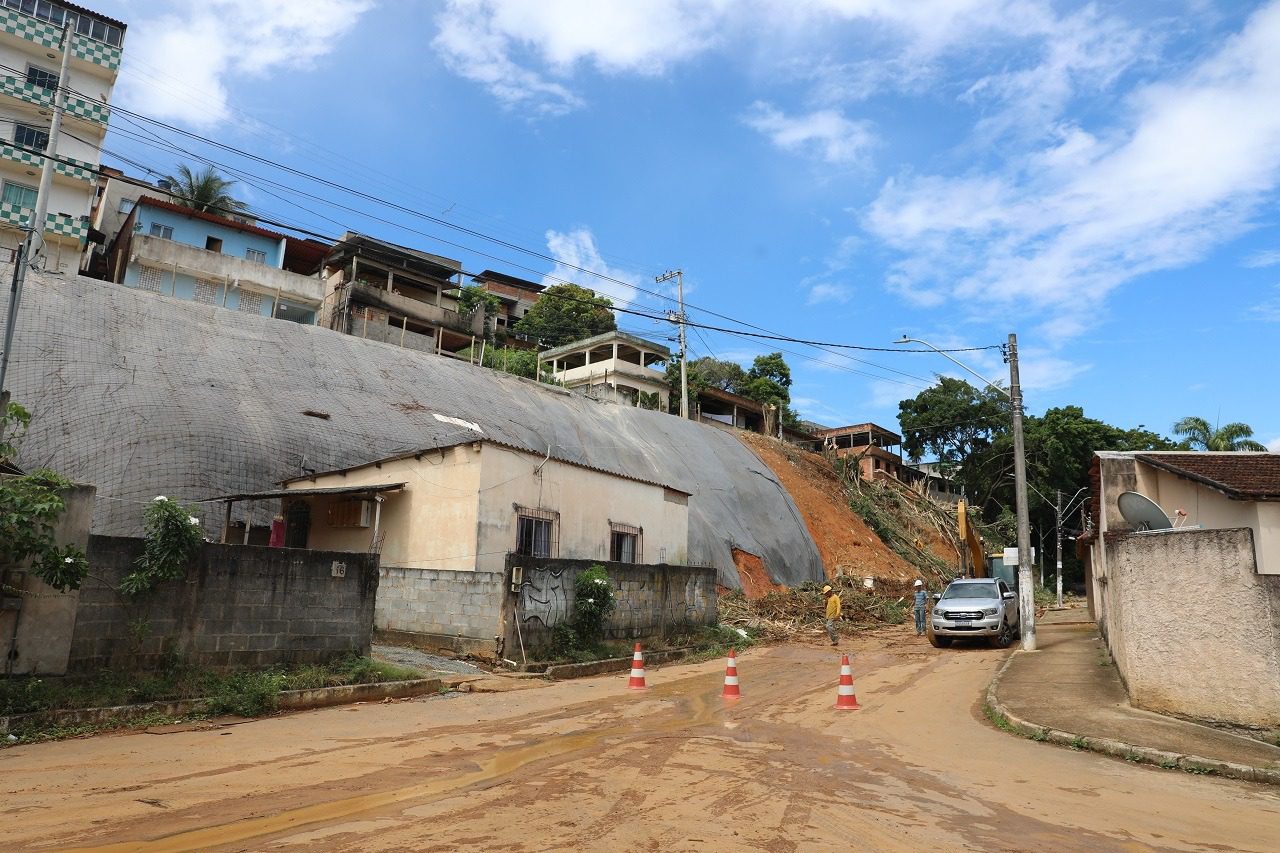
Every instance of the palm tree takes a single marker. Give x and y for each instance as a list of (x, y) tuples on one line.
[(206, 191), (1200, 435)]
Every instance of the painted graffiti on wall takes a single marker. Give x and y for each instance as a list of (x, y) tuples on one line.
[(544, 597)]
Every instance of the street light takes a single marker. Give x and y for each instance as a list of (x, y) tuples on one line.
[(1026, 594)]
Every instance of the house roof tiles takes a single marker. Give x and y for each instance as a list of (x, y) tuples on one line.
[(1239, 475)]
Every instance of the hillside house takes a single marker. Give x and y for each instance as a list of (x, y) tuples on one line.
[(517, 296), (614, 365), (389, 293), (201, 257), (878, 450)]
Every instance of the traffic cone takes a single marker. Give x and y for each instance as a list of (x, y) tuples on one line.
[(636, 682), (731, 677), (845, 700)]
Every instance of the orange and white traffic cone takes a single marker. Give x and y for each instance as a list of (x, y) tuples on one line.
[(636, 682), (845, 699), (731, 690)]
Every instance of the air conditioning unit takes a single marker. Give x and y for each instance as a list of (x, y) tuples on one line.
[(351, 514)]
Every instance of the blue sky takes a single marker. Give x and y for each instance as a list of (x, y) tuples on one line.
[(1101, 179)]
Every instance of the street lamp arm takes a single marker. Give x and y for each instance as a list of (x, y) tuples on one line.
[(956, 362)]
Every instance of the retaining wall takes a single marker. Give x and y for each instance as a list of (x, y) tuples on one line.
[(441, 609)]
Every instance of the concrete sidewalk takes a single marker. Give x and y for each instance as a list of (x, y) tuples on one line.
[(1069, 692)]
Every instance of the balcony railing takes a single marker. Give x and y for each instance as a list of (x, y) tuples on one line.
[(436, 315), (55, 223), (39, 96), (77, 169)]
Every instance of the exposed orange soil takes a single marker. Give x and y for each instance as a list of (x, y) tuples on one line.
[(845, 542), (754, 576)]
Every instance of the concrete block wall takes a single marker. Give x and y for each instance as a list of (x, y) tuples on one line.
[(438, 608), (238, 606), (1193, 627), (652, 600)]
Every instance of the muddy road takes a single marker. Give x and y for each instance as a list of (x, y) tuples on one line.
[(587, 765)]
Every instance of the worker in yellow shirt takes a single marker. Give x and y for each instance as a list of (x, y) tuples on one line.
[(833, 613)]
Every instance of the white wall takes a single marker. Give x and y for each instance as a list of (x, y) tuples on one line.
[(586, 500)]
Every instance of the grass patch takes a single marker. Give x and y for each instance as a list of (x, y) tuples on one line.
[(1079, 743), (244, 693), (999, 720)]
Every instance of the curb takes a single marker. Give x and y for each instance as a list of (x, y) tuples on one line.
[(1129, 752), (286, 700)]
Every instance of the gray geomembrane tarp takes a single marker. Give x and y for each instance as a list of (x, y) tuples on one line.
[(144, 395)]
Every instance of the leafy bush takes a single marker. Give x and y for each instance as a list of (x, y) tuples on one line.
[(30, 506), (172, 539), (592, 604)]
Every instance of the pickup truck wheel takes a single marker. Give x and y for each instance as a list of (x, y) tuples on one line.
[(939, 642), (1005, 638)]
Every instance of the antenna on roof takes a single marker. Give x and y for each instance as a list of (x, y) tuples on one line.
[(1142, 512)]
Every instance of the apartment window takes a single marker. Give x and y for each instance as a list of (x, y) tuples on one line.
[(42, 78), (126, 205), (97, 30), (19, 195), (213, 244), (30, 137), (164, 232), (256, 256), (537, 532), (624, 543)]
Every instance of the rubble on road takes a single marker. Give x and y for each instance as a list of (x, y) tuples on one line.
[(788, 613)]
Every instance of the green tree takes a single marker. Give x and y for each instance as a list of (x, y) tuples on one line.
[(706, 372), (518, 362), (1200, 436), (566, 313), (952, 421), (205, 190), (474, 297), (769, 381)]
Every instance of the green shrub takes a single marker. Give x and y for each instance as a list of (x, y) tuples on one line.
[(172, 540), (593, 602)]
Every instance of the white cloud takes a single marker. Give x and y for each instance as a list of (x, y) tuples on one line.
[(1269, 309), (1274, 444), (577, 248), (1200, 154), (494, 42), (1265, 258), (827, 292), (177, 65), (826, 133)]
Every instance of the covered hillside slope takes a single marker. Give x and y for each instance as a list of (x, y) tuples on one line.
[(142, 395), (920, 538)]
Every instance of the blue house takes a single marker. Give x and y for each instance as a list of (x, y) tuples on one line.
[(202, 257)]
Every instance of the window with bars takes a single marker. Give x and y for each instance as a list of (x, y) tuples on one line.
[(165, 232), (255, 256), (30, 137), (537, 532), (625, 543)]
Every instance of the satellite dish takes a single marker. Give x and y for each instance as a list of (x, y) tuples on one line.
[(1142, 512)]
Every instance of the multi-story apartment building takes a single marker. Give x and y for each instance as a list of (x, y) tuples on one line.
[(614, 366), (31, 33)]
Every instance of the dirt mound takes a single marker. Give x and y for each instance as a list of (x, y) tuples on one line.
[(847, 545), (754, 576), (845, 542)]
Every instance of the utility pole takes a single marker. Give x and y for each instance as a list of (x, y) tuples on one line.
[(33, 245), (679, 320), (1058, 512), (1026, 594)]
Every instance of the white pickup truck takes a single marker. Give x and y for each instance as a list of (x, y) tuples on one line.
[(973, 608)]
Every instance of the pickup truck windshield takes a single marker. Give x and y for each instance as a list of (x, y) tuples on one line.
[(971, 590)]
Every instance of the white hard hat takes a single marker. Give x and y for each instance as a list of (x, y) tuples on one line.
[(919, 583)]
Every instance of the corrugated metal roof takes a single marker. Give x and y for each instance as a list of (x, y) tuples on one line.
[(330, 490)]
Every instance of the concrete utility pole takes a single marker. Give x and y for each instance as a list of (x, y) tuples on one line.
[(33, 245), (679, 320), (1057, 511), (1026, 595), (1026, 592)]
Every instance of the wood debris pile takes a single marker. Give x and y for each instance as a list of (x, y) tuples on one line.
[(788, 613)]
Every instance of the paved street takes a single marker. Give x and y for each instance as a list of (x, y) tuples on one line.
[(588, 765)]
